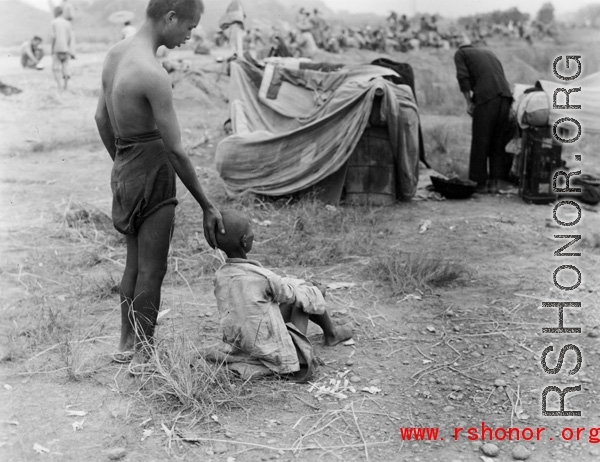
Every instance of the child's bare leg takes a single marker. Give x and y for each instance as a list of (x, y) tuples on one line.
[(127, 290), (296, 316), (333, 335), (153, 238)]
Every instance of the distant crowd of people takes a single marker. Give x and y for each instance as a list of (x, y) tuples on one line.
[(312, 32)]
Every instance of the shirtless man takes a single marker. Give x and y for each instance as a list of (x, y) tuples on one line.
[(62, 47), (138, 125)]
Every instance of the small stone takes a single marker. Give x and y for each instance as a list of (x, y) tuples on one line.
[(271, 441), (116, 453), (456, 388), (355, 379), (594, 333), (350, 362), (499, 383), (228, 435), (219, 448), (490, 449), (476, 354), (448, 409), (262, 434), (375, 382), (431, 328), (520, 452), (477, 445)]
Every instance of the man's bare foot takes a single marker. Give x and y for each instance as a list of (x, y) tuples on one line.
[(122, 357), (342, 334), (141, 364)]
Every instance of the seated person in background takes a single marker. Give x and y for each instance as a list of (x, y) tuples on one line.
[(266, 316), (32, 53)]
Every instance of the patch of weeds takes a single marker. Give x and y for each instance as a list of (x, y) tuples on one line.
[(183, 380), (406, 272), (104, 289)]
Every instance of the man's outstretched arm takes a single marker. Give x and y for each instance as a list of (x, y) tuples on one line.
[(104, 127), (157, 88)]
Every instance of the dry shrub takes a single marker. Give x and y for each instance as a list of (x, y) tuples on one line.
[(406, 272)]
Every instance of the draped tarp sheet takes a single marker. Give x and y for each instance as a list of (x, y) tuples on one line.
[(294, 128), (589, 99)]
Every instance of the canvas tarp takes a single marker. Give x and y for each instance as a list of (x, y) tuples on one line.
[(294, 128), (589, 99)]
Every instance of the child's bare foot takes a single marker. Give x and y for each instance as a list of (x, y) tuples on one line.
[(342, 334)]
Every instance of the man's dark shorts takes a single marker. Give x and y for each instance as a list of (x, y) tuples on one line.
[(142, 181), (62, 56)]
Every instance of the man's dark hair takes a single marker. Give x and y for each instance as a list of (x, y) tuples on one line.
[(58, 11), (183, 8), (37, 37)]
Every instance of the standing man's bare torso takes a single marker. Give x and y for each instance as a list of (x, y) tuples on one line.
[(130, 71)]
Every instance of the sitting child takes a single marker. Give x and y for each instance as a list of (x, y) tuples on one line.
[(263, 315)]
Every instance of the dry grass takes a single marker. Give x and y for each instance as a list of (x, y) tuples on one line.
[(182, 381), (406, 272)]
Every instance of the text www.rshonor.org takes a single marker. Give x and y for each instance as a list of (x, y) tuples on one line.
[(485, 433)]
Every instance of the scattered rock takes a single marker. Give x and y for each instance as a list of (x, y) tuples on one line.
[(431, 328), (262, 434), (355, 379), (520, 452), (476, 354), (490, 449), (350, 362), (116, 453), (594, 333), (477, 445), (228, 435), (448, 409), (456, 388), (499, 383), (375, 382), (219, 448)]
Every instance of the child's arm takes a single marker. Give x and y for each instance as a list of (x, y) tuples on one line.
[(298, 293)]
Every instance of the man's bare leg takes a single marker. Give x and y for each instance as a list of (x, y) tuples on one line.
[(153, 241), (65, 73), (56, 70), (127, 290)]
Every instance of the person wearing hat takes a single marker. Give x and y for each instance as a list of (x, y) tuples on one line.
[(487, 93)]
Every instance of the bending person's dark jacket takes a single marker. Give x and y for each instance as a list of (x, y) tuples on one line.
[(479, 70)]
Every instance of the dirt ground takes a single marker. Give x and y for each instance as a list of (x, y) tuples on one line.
[(421, 358)]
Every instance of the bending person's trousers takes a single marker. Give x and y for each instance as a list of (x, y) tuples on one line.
[(491, 129)]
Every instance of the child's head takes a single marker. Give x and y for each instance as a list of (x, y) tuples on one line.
[(238, 237)]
